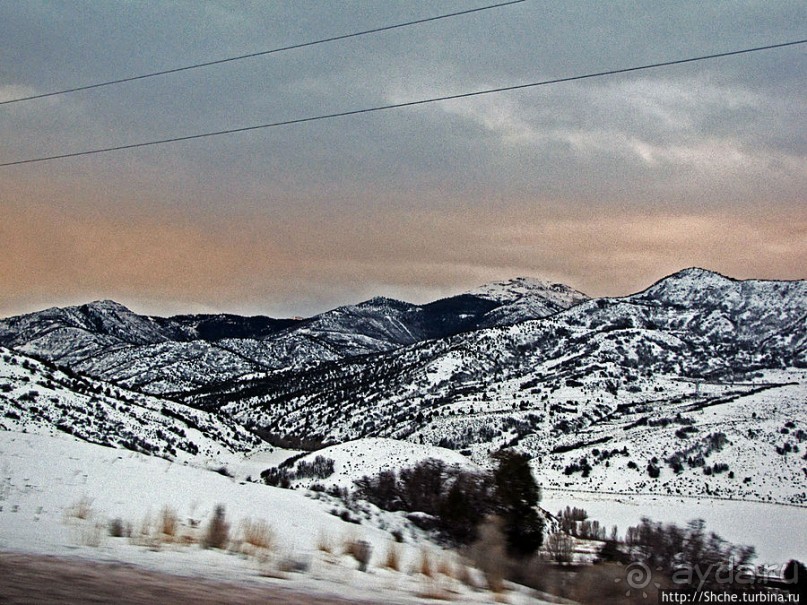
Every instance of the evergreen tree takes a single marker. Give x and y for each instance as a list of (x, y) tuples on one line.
[(517, 496)]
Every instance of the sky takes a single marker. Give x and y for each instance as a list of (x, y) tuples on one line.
[(604, 184)]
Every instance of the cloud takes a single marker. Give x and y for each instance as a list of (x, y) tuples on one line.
[(605, 184)]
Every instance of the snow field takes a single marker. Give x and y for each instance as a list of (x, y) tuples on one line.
[(58, 496), (776, 531)]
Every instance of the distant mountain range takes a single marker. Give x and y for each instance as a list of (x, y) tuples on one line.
[(171, 355), (693, 386)]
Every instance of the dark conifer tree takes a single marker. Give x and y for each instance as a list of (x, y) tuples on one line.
[(517, 497)]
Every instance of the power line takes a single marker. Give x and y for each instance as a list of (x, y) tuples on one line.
[(354, 112), (262, 53)]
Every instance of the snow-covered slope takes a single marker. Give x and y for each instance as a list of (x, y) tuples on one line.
[(768, 318), (741, 441), (108, 341), (643, 373), (36, 397), (368, 457), (522, 299), (602, 365), (280, 538)]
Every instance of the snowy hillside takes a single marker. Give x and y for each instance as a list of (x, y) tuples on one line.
[(38, 398), (741, 441), (688, 393), (658, 363), (691, 386), (124, 507), (368, 457), (522, 299)]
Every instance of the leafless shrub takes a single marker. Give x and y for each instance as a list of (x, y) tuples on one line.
[(257, 533), (85, 528), (118, 528), (218, 530), (91, 533), (142, 536), (325, 543), (393, 559), (168, 523), (81, 509), (425, 566), (359, 550), (489, 554), (560, 547)]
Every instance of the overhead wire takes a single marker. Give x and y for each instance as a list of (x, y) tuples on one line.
[(465, 95), (262, 53)]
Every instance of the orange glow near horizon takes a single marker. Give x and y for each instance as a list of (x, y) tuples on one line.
[(307, 262)]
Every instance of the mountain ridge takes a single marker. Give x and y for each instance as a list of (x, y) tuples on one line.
[(643, 372), (170, 354), (694, 385)]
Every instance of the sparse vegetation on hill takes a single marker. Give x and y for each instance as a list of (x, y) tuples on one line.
[(455, 502)]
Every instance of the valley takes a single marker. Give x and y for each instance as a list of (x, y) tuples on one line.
[(685, 399)]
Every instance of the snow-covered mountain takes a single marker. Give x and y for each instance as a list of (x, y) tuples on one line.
[(643, 374), (159, 355), (522, 299), (695, 385)]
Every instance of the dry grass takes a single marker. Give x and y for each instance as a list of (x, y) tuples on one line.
[(495, 580), (92, 534), (489, 555), (257, 534), (446, 567), (325, 543), (464, 575), (217, 534), (272, 564), (148, 533), (434, 591), (85, 528), (439, 574), (145, 527), (88, 532), (153, 531), (425, 566), (360, 550), (168, 524), (118, 528), (80, 509), (268, 569), (393, 558)]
